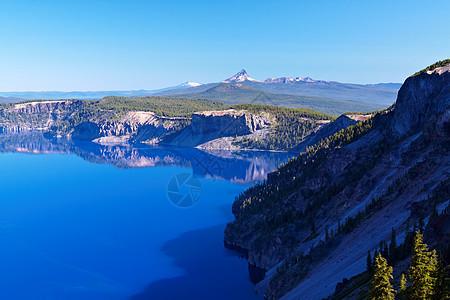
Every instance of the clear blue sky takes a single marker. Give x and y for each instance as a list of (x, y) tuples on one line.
[(115, 45)]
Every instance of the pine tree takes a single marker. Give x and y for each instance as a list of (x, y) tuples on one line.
[(442, 287), (385, 251), (375, 254), (422, 269), (403, 292), (393, 247), (369, 262), (403, 283), (421, 223), (380, 285), (406, 247)]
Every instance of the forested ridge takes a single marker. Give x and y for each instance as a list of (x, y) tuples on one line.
[(292, 126)]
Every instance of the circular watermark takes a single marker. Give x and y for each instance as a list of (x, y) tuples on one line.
[(184, 190)]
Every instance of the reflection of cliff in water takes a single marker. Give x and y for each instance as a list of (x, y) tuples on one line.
[(240, 167)]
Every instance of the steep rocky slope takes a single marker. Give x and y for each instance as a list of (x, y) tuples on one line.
[(134, 126), (206, 127), (311, 224), (38, 115), (59, 119), (341, 123)]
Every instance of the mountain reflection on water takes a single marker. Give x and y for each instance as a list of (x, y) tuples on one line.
[(237, 166)]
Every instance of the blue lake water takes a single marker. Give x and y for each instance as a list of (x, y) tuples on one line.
[(95, 222)]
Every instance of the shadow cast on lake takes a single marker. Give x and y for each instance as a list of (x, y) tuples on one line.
[(216, 279)]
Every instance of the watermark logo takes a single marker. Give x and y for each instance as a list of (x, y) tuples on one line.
[(211, 165), (184, 190), (264, 99)]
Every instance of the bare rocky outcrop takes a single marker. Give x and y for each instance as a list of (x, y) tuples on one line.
[(420, 99), (147, 127), (228, 122), (38, 115), (218, 125), (132, 127), (65, 118), (37, 107)]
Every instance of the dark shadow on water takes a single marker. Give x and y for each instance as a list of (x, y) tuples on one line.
[(211, 271)]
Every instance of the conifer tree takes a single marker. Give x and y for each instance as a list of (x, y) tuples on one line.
[(422, 269), (393, 247), (375, 254), (403, 292), (403, 284), (385, 251), (442, 287), (421, 223), (369, 262), (380, 285)]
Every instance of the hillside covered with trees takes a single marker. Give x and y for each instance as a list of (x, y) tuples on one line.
[(312, 223)]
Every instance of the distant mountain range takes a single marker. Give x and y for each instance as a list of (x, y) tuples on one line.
[(10, 99), (242, 76), (17, 96), (382, 93), (236, 93)]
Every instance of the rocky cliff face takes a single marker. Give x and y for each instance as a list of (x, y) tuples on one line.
[(212, 125), (312, 223), (420, 99), (228, 122), (39, 115), (50, 107), (134, 126), (65, 118)]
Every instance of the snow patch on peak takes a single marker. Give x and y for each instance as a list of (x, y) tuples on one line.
[(240, 77), (291, 79), (190, 84)]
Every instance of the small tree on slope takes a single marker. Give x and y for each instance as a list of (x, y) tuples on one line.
[(403, 288), (380, 285), (422, 270), (442, 287)]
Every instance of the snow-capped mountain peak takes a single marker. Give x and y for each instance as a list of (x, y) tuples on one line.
[(240, 77), (291, 79), (190, 84)]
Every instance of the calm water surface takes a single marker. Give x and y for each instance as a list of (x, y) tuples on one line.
[(93, 222)]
